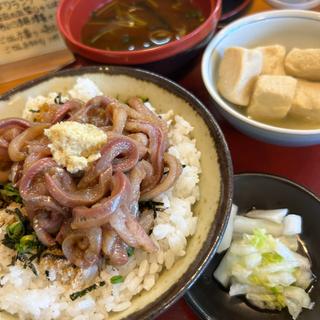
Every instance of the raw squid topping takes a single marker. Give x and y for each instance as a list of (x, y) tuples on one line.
[(87, 199)]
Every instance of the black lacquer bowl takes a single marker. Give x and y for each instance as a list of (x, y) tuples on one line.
[(210, 300)]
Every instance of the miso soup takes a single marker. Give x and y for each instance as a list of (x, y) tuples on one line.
[(140, 24)]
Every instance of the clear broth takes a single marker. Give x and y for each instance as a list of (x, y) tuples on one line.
[(123, 25), (288, 122)]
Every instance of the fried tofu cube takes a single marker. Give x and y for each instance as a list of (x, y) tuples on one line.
[(272, 97), (303, 63), (273, 59), (306, 102), (238, 72)]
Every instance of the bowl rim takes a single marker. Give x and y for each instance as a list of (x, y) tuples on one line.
[(150, 54), (242, 6), (309, 4), (233, 27), (216, 231), (272, 176)]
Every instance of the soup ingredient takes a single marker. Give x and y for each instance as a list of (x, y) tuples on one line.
[(263, 268), (273, 59), (272, 97), (303, 63), (238, 71), (74, 145), (306, 102), (140, 24)]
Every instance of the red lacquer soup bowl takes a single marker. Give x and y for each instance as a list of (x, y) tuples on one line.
[(73, 14)]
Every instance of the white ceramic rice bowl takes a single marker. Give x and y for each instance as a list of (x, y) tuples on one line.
[(215, 181)]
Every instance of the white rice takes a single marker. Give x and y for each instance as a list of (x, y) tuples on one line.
[(48, 297), (33, 104)]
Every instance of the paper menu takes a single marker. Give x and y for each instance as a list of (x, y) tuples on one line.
[(28, 30)]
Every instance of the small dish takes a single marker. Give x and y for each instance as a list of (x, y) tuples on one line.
[(291, 28), (210, 300)]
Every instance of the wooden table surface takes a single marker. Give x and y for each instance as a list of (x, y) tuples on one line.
[(298, 164)]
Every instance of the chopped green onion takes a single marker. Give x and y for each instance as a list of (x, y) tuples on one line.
[(15, 230), (19, 237), (130, 251), (116, 279), (27, 243), (28, 240), (9, 193)]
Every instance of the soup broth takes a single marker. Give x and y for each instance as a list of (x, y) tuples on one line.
[(140, 24), (288, 122)]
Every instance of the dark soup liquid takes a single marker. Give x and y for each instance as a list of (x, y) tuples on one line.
[(140, 24)]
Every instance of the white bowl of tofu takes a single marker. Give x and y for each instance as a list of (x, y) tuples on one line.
[(263, 73)]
